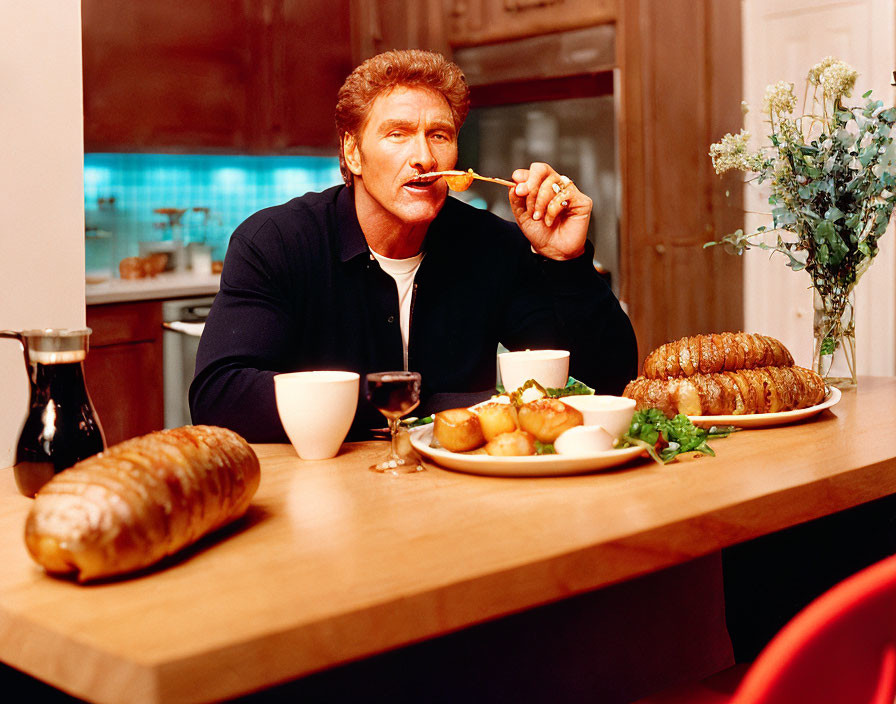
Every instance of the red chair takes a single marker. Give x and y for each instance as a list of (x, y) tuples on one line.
[(840, 649)]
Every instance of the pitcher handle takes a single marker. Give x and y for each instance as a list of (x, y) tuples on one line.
[(13, 334), (16, 335)]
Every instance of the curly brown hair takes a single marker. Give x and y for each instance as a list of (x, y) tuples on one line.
[(383, 72)]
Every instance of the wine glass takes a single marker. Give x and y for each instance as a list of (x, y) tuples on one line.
[(394, 394)]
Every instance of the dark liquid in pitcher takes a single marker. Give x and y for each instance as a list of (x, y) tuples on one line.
[(393, 394), (60, 429)]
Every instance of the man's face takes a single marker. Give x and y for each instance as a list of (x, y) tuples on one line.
[(409, 131)]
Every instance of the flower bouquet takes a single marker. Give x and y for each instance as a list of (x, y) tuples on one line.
[(832, 179)]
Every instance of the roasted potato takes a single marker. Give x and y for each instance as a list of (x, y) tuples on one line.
[(458, 430), (512, 444), (496, 418), (546, 418)]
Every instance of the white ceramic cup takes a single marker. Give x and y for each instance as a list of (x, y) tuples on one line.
[(550, 368), (613, 413), (316, 409)]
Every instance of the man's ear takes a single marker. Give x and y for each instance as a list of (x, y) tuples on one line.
[(352, 154)]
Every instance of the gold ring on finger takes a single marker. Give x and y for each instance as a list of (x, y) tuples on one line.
[(557, 187)]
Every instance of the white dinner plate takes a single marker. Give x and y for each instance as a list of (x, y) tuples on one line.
[(766, 420), (529, 466)]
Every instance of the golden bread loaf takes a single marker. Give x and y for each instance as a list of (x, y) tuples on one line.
[(763, 390), (717, 352), (728, 373), (140, 501)]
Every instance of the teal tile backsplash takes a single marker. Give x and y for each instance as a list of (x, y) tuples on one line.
[(230, 187)]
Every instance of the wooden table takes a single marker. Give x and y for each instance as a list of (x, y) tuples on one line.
[(335, 563)]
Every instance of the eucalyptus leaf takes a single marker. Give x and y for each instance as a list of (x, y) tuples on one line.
[(834, 214)]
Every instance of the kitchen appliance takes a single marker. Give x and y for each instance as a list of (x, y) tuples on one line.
[(547, 98), (184, 321)]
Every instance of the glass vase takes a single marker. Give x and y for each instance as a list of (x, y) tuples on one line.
[(835, 338)]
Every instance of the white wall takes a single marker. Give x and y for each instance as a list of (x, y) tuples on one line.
[(782, 40), (41, 187)]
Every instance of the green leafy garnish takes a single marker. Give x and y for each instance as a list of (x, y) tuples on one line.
[(544, 448), (666, 438), (573, 387), (415, 422)]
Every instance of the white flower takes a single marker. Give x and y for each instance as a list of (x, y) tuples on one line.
[(779, 98), (732, 153), (835, 77)]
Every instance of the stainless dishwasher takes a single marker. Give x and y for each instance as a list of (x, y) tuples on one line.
[(183, 320)]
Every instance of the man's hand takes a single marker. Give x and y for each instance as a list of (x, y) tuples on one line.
[(551, 211)]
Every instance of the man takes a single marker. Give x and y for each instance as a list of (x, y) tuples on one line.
[(386, 272)]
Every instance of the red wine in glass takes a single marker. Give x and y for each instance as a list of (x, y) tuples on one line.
[(395, 394)]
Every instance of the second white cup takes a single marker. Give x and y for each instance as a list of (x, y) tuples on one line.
[(550, 368), (317, 409), (614, 413)]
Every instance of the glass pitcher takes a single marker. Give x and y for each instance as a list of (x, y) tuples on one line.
[(61, 427)]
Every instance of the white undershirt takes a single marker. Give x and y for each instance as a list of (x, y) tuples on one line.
[(403, 271)]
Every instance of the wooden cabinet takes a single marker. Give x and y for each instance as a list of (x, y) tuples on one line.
[(380, 25), (124, 368), (308, 52), (486, 21), (443, 25), (166, 74), (242, 76)]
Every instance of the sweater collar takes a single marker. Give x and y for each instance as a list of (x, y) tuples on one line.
[(351, 238)]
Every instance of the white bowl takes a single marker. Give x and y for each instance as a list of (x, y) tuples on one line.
[(583, 440), (550, 368), (317, 409), (614, 413)]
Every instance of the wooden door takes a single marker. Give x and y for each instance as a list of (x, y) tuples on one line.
[(678, 90)]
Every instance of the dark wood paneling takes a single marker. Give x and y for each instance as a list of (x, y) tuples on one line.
[(238, 76), (309, 46), (166, 74), (120, 323), (486, 21), (124, 370), (511, 92), (680, 89)]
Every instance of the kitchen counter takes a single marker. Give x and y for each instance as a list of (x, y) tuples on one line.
[(335, 563), (164, 286)]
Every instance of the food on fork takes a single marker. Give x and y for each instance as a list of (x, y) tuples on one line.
[(461, 180), (724, 374), (139, 501)]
